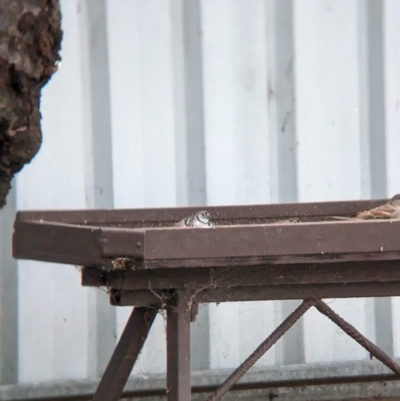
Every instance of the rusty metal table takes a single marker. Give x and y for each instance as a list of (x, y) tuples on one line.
[(251, 254)]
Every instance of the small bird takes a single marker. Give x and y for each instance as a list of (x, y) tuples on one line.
[(202, 219), (390, 210), (185, 222)]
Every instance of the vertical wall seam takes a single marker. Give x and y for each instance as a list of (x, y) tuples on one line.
[(187, 61), (99, 179), (373, 136), (9, 339), (282, 114)]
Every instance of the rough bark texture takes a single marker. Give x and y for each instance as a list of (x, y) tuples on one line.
[(30, 40)]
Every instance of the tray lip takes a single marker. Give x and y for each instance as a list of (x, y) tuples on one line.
[(171, 214)]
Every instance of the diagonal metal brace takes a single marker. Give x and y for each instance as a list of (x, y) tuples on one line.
[(125, 354), (357, 336), (261, 350)]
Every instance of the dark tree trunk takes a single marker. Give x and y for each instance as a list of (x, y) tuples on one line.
[(30, 39)]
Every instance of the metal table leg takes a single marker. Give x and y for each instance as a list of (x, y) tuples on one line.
[(178, 349)]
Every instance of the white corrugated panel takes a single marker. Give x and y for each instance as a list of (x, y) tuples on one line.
[(162, 103)]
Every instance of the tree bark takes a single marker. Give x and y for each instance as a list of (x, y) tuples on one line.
[(30, 41)]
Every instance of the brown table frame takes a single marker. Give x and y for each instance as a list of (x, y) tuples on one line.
[(250, 255)]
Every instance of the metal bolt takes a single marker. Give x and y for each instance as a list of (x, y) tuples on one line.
[(138, 245)]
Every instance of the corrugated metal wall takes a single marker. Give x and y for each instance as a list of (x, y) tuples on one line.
[(191, 102)]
